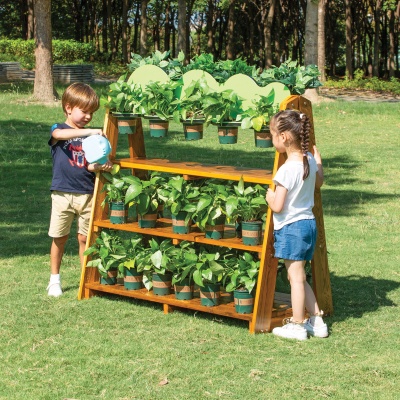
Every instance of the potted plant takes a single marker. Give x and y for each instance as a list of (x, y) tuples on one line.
[(144, 195), (182, 277), (248, 206), (224, 109), (125, 101), (190, 109), (180, 196), (258, 117), (115, 188), (108, 255), (163, 258), (210, 214), (133, 277), (242, 280), (208, 276), (158, 104)]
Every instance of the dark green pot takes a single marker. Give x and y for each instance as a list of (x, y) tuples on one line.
[(126, 125), (193, 131), (132, 214), (178, 223), (263, 138), (210, 294), (118, 212), (244, 301), (216, 231), (147, 220), (158, 128), (184, 290), (251, 233), (132, 279), (111, 278), (227, 134), (162, 284)]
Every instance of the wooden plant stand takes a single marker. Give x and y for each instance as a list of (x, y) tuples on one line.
[(269, 307)]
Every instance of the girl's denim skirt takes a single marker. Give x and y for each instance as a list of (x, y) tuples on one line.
[(296, 241)]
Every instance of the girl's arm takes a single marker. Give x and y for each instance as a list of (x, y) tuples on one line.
[(276, 199), (320, 172)]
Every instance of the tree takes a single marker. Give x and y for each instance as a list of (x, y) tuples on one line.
[(143, 28), (182, 26), (230, 50), (349, 41), (43, 87), (321, 38), (311, 39)]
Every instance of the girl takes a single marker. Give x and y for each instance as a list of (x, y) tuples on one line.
[(294, 223)]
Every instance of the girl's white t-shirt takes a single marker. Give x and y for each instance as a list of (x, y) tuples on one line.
[(300, 196)]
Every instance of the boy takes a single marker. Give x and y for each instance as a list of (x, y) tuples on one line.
[(73, 178)]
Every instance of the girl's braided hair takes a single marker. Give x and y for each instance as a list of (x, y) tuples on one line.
[(298, 124)]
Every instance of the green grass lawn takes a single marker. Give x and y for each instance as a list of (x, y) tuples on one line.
[(114, 348)]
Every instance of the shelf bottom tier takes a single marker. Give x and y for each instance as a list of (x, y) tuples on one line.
[(226, 308)]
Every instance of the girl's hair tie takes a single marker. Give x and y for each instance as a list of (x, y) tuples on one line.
[(304, 154), (301, 115)]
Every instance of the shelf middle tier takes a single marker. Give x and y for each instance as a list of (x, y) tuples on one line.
[(253, 175)]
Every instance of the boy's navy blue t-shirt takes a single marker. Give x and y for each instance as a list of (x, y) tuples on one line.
[(70, 172)]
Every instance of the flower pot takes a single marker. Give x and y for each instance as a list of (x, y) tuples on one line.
[(263, 138), (193, 130), (148, 220), (227, 134), (162, 284), (126, 123), (216, 231), (158, 127), (132, 279), (251, 232), (184, 290), (118, 212), (178, 223), (210, 294), (244, 301), (132, 214), (111, 278)]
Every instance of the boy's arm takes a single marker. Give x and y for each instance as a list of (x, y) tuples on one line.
[(320, 172), (96, 167), (65, 134)]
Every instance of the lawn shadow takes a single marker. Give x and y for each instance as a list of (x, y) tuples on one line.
[(356, 295)]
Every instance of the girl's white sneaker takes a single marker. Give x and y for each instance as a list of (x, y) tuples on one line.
[(315, 326), (54, 289), (291, 331)]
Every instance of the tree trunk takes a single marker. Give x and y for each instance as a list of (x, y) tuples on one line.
[(210, 28), (104, 30), (111, 28), (125, 54), (167, 35), (321, 39), (181, 26), (375, 65), (143, 29), (267, 15), (392, 45), (230, 51), (136, 28), (43, 89), (349, 41), (29, 22), (311, 37)]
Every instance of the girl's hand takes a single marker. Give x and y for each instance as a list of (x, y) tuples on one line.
[(270, 197)]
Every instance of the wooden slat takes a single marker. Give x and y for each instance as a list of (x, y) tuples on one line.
[(253, 175)]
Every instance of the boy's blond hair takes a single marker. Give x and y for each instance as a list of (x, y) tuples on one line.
[(82, 96)]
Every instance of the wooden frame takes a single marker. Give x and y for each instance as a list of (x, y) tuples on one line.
[(269, 307)]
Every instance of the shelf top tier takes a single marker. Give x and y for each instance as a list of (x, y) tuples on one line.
[(253, 175)]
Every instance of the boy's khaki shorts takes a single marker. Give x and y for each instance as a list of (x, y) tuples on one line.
[(64, 208)]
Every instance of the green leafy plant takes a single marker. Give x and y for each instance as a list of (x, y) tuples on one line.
[(259, 115), (211, 205), (134, 247), (296, 77), (124, 97), (107, 253), (158, 99), (180, 195), (248, 203), (191, 105), (144, 193), (222, 107), (115, 188), (208, 269), (185, 264), (244, 273)]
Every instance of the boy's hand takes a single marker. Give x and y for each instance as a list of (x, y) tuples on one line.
[(107, 166), (91, 132)]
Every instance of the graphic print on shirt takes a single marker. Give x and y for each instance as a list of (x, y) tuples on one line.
[(78, 155)]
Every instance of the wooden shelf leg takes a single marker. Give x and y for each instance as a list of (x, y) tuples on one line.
[(167, 309)]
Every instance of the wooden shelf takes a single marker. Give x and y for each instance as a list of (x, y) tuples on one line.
[(254, 175), (164, 229), (226, 308)]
